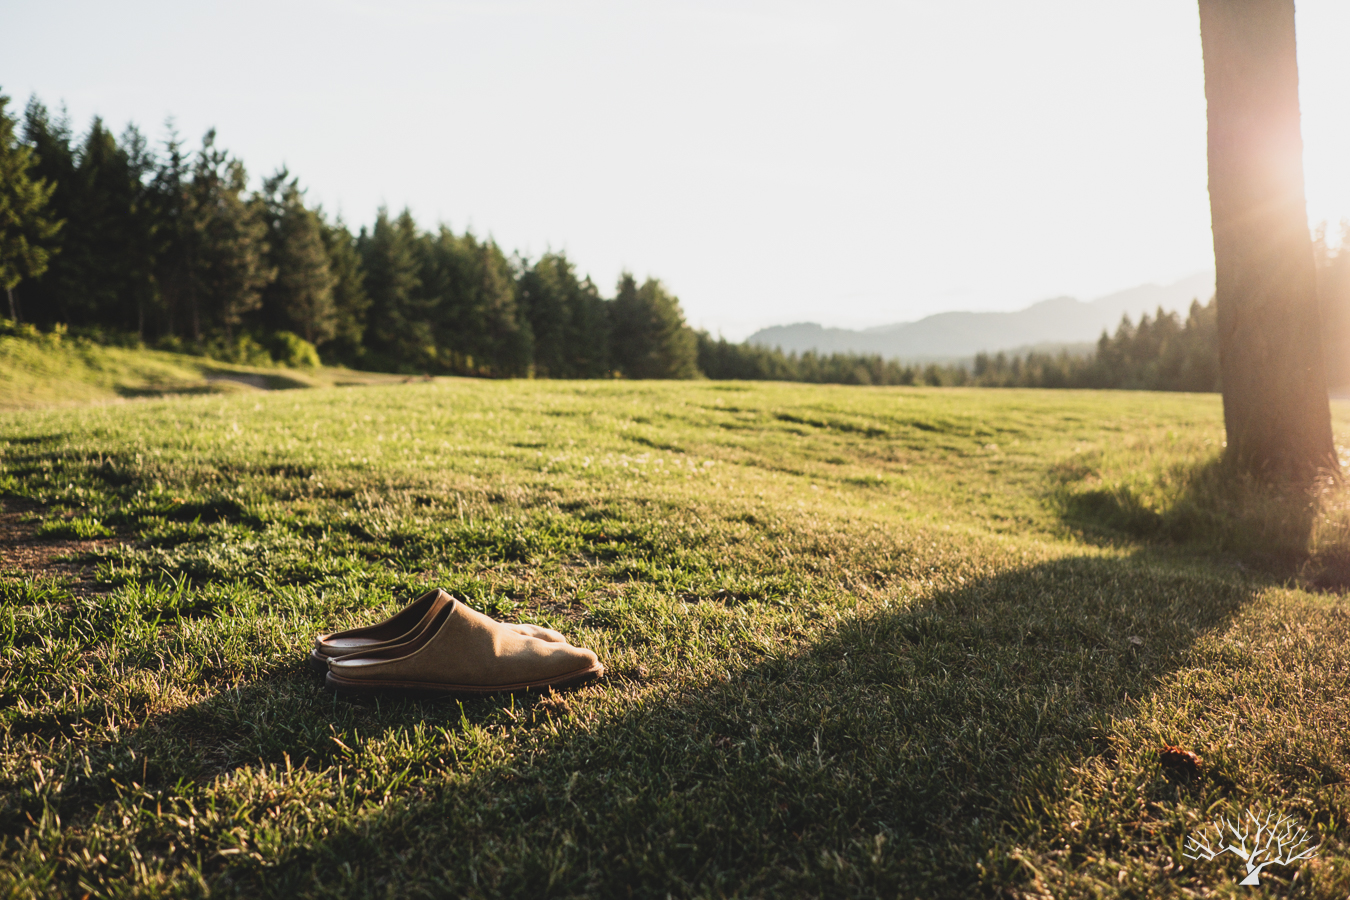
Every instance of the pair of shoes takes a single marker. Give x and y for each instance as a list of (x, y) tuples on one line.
[(438, 646)]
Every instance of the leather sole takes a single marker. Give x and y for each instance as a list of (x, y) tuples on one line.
[(364, 686)]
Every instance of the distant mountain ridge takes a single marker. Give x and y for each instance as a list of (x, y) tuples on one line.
[(1060, 320)]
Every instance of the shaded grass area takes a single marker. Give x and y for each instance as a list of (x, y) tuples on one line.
[(853, 649), (909, 775), (1179, 489)]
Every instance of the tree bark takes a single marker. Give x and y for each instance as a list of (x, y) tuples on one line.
[(1275, 403)]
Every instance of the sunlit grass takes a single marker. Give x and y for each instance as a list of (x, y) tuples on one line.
[(868, 642), (51, 369)]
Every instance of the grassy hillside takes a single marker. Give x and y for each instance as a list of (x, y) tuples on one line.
[(860, 641), (47, 370)]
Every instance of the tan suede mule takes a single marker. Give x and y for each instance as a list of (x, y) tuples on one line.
[(463, 653), (402, 627)]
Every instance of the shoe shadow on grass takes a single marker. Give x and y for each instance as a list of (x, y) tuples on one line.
[(900, 752)]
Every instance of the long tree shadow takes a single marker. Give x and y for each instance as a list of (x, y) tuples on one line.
[(896, 754)]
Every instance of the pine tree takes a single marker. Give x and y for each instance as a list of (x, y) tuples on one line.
[(543, 298), (175, 240), (101, 277), (628, 342), (300, 297), (590, 338), (104, 250), (400, 335), (27, 228), (1199, 370), (651, 339), (140, 226), (480, 329), (229, 268), (505, 338), (53, 162), (568, 319), (351, 303)]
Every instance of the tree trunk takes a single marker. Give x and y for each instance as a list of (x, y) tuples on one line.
[(13, 313), (1275, 403)]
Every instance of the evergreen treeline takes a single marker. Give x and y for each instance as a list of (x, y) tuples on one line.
[(169, 247), (121, 241), (719, 358), (1161, 353)]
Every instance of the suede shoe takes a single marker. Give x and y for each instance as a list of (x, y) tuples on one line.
[(402, 627), (463, 653)]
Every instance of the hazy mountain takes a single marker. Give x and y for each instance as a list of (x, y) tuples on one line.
[(1061, 320)]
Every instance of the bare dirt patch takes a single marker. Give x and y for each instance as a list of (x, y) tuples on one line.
[(23, 553)]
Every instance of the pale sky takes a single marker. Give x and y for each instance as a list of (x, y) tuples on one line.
[(841, 162)]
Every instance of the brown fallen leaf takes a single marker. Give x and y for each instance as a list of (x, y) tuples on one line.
[(1178, 761)]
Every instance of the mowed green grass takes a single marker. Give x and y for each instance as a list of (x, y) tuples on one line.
[(860, 642)]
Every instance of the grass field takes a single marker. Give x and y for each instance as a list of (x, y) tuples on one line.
[(860, 642), (47, 369)]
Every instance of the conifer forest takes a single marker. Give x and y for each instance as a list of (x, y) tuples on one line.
[(164, 244)]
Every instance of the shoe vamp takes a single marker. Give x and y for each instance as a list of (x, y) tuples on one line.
[(540, 632)]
